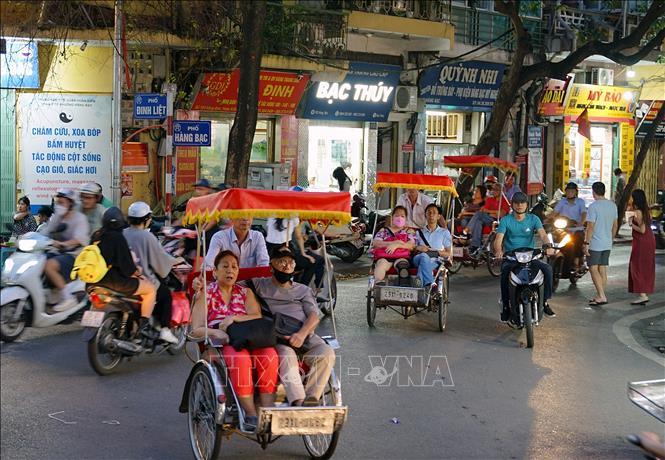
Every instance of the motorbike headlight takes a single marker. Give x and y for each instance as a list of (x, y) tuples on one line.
[(560, 223), (524, 257), (26, 245), (26, 266)]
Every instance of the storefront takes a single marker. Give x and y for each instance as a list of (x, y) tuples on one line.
[(595, 135), (341, 120), (217, 100), (458, 99)]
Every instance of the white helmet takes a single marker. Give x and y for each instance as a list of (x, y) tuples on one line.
[(90, 188), (66, 193), (139, 209)]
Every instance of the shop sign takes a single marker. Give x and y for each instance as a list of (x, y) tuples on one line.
[(645, 115), (149, 106), (609, 102), (135, 157), (186, 159), (19, 66), (65, 142), (279, 92), (366, 94), (627, 149), (289, 153), (554, 96), (192, 133), (471, 85), (535, 160), (534, 136)]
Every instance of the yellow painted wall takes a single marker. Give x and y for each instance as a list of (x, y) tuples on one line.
[(70, 70)]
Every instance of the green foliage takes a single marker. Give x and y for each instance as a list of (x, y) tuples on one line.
[(280, 27)]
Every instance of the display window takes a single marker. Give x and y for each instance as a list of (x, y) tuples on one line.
[(213, 158), (591, 160), (329, 148)]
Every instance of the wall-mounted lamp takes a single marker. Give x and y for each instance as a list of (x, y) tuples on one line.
[(84, 45), (630, 73)]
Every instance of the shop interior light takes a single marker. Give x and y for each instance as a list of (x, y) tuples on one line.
[(436, 113), (630, 73), (628, 95)]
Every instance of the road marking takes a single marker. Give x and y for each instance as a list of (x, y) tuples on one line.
[(53, 416), (621, 330), (353, 371)]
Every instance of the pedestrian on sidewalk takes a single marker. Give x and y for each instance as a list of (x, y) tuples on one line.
[(601, 227), (621, 184), (642, 266)]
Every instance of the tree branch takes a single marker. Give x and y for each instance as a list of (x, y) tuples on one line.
[(610, 50), (631, 59)]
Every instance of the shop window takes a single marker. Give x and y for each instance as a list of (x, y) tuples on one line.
[(213, 158), (330, 147), (442, 125)]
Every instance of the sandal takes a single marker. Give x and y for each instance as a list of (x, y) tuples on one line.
[(597, 303), (639, 302)]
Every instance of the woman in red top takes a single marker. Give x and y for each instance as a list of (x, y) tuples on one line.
[(229, 302), (642, 266)]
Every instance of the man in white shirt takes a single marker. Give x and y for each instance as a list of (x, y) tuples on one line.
[(247, 244), (415, 203)]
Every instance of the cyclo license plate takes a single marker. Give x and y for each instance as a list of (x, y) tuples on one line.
[(302, 422), (458, 251), (92, 318), (399, 295)]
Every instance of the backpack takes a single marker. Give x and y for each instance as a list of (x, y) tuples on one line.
[(90, 265)]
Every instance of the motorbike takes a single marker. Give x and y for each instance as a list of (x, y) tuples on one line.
[(112, 328), (563, 261), (345, 242), (25, 299), (526, 291), (544, 206)]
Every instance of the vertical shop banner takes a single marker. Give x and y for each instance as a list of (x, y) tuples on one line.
[(471, 85), (289, 152), (627, 153), (645, 115), (535, 161), (65, 142), (186, 159)]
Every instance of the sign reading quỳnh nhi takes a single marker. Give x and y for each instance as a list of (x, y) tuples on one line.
[(65, 142)]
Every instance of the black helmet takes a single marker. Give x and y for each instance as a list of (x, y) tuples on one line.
[(113, 219), (519, 197), (571, 185)]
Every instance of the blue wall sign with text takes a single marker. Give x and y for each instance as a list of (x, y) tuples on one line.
[(534, 137), (191, 133), (19, 67), (149, 106), (471, 85), (365, 94)]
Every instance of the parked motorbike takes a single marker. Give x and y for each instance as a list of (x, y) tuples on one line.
[(561, 235), (526, 291), (112, 329), (345, 242), (25, 300)]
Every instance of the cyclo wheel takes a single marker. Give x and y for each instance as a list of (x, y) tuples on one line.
[(455, 266), (329, 306), (322, 446), (528, 323), (103, 360), (204, 434), (443, 304), (371, 309)]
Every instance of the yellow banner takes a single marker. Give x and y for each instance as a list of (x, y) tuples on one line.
[(601, 101), (627, 153)]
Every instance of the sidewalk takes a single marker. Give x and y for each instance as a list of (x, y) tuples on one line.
[(624, 235)]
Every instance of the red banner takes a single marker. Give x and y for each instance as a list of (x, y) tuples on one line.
[(186, 159), (290, 145), (279, 92)]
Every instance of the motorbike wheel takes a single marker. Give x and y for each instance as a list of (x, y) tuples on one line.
[(443, 305), (204, 434), (371, 309), (322, 446), (328, 307), (181, 333), (11, 329), (557, 268), (455, 266), (528, 324), (349, 253), (100, 358)]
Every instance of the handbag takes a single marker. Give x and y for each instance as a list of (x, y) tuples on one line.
[(401, 253), (286, 325), (252, 334)]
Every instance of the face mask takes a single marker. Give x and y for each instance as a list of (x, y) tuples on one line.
[(282, 277), (60, 210), (399, 222)]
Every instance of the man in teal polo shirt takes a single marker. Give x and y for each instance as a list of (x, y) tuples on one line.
[(518, 230)]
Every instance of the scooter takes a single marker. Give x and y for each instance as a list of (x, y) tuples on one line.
[(24, 299), (345, 242), (560, 235)]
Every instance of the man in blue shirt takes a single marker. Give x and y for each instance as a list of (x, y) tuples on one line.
[(518, 230), (431, 239), (247, 244), (573, 208)]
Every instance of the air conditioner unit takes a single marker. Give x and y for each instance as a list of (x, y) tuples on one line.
[(604, 77), (406, 99)]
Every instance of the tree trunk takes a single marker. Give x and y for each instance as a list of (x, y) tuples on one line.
[(639, 162), (244, 123)]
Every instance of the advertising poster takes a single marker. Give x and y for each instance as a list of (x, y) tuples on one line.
[(19, 66), (186, 159), (535, 160), (65, 142)]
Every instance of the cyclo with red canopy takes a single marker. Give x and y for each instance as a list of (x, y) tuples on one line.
[(209, 399), (410, 298), (468, 166)]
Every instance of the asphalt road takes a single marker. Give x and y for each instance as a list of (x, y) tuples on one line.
[(471, 392)]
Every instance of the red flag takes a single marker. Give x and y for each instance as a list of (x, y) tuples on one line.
[(583, 125)]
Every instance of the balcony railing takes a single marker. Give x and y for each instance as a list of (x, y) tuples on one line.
[(428, 10)]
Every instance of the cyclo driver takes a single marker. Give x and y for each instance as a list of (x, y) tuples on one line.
[(517, 230)]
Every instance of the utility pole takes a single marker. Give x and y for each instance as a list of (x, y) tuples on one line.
[(116, 125)]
